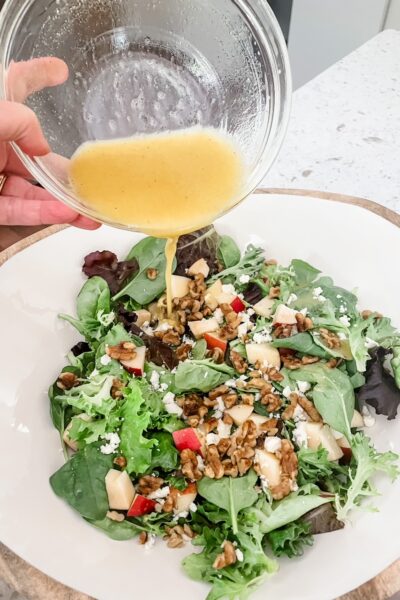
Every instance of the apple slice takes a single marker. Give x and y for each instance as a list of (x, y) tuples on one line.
[(263, 308), (187, 439), (184, 498), (213, 341), (345, 448), (238, 305), (357, 420), (270, 466), (216, 292), (141, 506), (263, 353), (143, 316), (258, 420), (179, 286), (321, 435), (240, 413), (200, 267), (136, 365), (284, 316), (199, 328), (120, 490)]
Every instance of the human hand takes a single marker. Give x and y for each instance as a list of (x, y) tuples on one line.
[(21, 202)]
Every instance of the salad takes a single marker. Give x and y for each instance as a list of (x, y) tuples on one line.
[(239, 424)]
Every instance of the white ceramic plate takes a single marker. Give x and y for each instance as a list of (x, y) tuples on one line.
[(356, 247)]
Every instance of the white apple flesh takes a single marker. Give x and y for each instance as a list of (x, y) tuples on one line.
[(284, 315), (179, 286), (270, 467), (263, 353), (263, 308), (258, 421), (199, 328), (120, 490), (239, 413), (322, 435), (357, 420), (200, 267), (143, 316), (136, 365)]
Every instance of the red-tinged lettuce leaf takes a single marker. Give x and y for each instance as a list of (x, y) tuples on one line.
[(158, 353), (193, 246), (322, 519), (105, 264), (380, 390), (253, 293)]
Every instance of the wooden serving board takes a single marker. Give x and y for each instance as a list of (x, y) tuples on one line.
[(34, 585)]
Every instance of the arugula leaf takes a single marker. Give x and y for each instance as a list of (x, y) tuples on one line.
[(92, 397), (136, 418), (81, 482), (291, 539), (119, 531), (380, 330), (285, 511), (230, 494), (301, 342), (93, 310), (333, 395), (149, 253), (367, 462), (250, 264), (304, 273), (228, 251), (200, 375), (164, 455)]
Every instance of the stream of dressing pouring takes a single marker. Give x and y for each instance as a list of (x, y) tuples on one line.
[(164, 184)]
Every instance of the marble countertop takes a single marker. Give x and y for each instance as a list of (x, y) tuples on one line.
[(344, 132)]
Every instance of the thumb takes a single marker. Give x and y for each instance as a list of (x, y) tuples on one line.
[(19, 124)]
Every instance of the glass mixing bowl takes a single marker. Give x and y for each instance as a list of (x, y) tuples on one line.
[(146, 66)]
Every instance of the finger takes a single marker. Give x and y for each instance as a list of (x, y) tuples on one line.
[(25, 78), (17, 211), (19, 124)]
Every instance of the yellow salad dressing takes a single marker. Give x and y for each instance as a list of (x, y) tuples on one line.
[(164, 184)]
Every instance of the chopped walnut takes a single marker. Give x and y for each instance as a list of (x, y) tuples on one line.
[(142, 539), (369, 313), (169, 504), (239, 363), (217, 355), (227, 558), (209, 425), (271, 401), (330, 338), (116, 389), (120, 461), (289, 467), (230, 330), (197, 287), (183, 351), (122, 351), (303, 323), (332, 363), (170, 337), (291, 362), (148, 484), (218, 391), (115, 516), (189, 465), (223, 446), (274, 292), (178, 535), (309, 360), (247, 399), (192, 405), (289, 410), (152, 274), (284, 331), (67, 381), (214, 468), (230, 470), (309, 408)]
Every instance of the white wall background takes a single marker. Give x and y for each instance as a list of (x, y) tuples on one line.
[(324, 31)]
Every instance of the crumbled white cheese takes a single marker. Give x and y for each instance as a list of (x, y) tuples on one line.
[(342, 309), (243, 378), (155, 380), (151, 540), (159, 494), (341, 335), (303, 386), (200, 463), (113, 440), (264, 484), (239, 555), (219, 315), (146, 327), (264, 335), (187, 340), (181, 515), (250, 312), (293, 486), (163, 327), (299, 414), (170, 405), (231, 383), (338, 296), (244, 278), (292, 298), (211, 439), (272, 444), (317, 294), (105, 360), (224, 430), (370, 343), (286, 392), (219, 407), (228, 288), (344, 319), (242, 330), (369, 420), (300, 434)]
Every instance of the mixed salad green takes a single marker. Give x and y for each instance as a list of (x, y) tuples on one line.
[(238, 423)]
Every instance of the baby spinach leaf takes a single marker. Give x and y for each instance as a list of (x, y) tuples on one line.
[(301, 342), (291, 539), (304, 273), (333, 395), (81, 482), (228, 252), (230, 494), (193, 246), (136, 418), (164, 455), (149, 253), (199, 350), (119, 531), (200, 375)]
